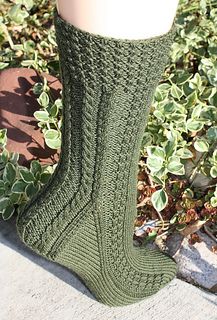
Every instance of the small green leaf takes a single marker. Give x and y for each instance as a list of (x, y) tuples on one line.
[(41, 115), (147, 139), (9, 173), (154, 151), (201, 145), (3, 203), (51, 134), (184, 153), (14, 198), (196, 82), (26, 175), (178, 118), (182, 77), (45, 176), (192, 99), (38, 88), (31, 189), (194, 125), (53, 138), (29, 46), (159, 115), (54, 143), (214, 156), (8, 212), (159, 199), (170, 146), (175, 166), (14, 157), (213, 98), (53, 111), (196, 111), (161, 92), (209, 113), (212, 134), (169, 107), (27, 63), (59, 103), (176, 92), (43, 99), (5, 156), (154, 164), (3, 65), (18, 186), (3, 138), (35, 167), (17, 14), (213, 202), (18, 47), (213, 172)]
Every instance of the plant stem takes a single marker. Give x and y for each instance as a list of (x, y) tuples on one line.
[(161, 218)]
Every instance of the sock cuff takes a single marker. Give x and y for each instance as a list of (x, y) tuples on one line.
[(113, 61), (68, 27)]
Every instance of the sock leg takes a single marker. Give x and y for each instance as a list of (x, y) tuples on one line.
[(108, 84)]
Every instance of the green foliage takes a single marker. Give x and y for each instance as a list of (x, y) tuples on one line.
[(213, 200), (211, 164), (27, 36), (49, 115), (18, 184), (18, 13), (3, 138), (183, 115)]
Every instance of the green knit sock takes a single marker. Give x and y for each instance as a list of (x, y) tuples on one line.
[(84, 217)]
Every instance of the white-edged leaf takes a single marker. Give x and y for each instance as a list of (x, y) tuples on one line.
[(159, 199), (201, 145)]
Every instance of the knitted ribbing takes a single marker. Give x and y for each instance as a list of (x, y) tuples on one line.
[(84, 217)]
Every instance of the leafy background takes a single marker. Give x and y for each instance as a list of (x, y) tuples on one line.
[(177, 170)]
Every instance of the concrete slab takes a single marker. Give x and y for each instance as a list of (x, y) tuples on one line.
[(33, 288), (197, 263)]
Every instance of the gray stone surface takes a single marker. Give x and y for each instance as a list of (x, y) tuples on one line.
[(197, 263), (33, 288)]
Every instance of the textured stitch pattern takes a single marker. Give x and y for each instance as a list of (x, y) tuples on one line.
[(83, 218)]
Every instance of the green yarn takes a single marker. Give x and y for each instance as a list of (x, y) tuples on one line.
[(84, 217)]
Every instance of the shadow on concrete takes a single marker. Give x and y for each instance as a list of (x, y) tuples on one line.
[(9, 238)]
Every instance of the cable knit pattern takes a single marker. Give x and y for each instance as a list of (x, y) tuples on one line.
[(84, 217)]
